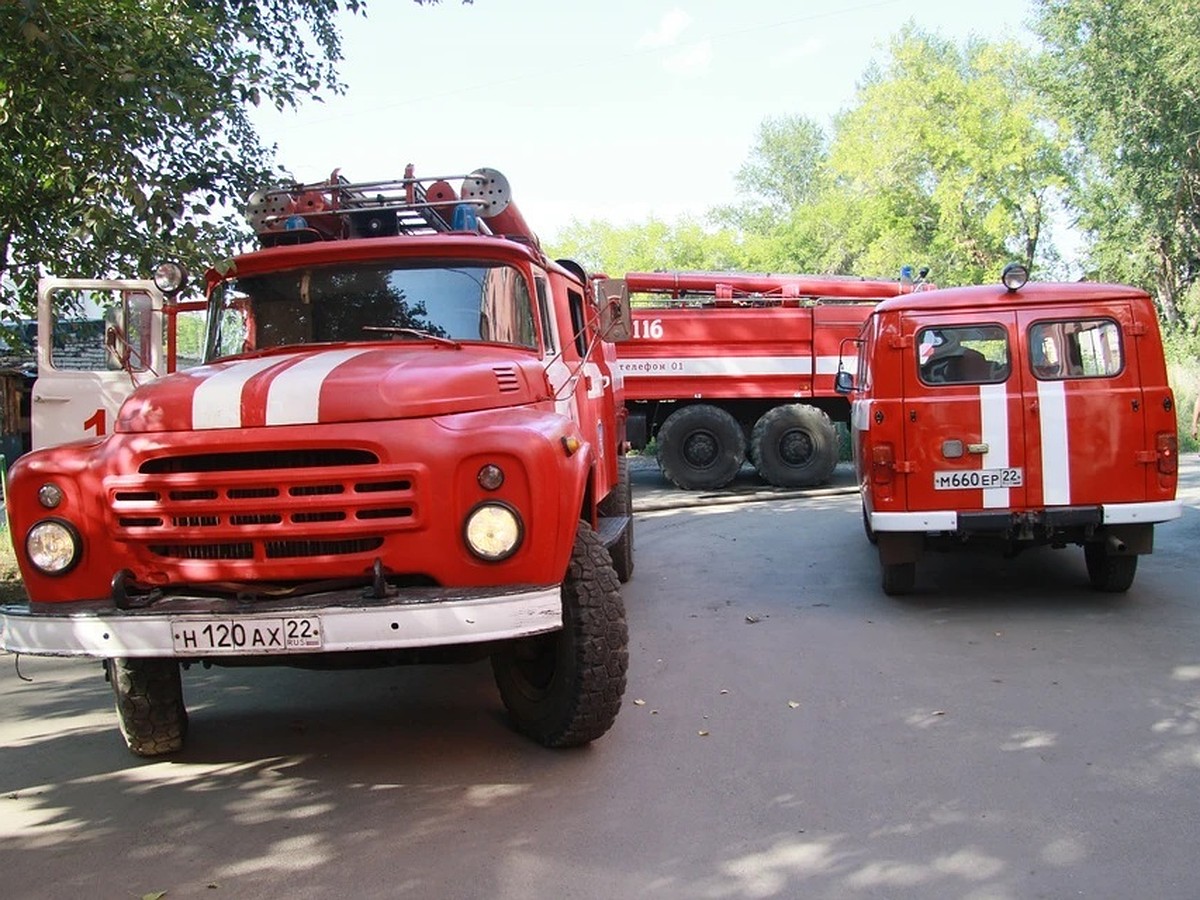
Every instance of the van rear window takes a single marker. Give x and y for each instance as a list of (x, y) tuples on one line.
[(1077, 348), (963, 354)]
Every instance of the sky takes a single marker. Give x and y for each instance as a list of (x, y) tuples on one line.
[(618, 111)]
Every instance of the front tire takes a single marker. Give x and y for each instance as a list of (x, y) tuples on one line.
[(701, 447), (149, 701), (794, 445), (1109, 572), (564, 689)]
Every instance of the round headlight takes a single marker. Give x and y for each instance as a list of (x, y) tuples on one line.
[(493, 531), (52, 546), (1014, 276), (170, 277)]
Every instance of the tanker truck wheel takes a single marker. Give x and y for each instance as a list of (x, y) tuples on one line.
[(150, 710), (619, 502), (794, 446), (701, 447), (1108, 572), (564, 689)]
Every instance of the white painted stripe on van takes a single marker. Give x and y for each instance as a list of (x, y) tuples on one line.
[(217, 400), (1056, 460), (294, 395), (993, 411)]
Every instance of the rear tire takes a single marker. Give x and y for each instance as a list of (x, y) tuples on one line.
[(867, 529), (564, 689), (701, 447), (1109, 572), (149, 701), (794, 445), (899, 578), (619, 502)]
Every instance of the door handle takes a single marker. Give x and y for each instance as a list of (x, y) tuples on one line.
[(46, 398)]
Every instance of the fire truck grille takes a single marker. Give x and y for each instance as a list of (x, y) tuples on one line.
[(260, 507)]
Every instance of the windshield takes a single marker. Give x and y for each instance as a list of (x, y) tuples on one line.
[(413, 300)]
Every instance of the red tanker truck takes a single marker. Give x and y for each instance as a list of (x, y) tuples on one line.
[(404, 444), (722, 367)]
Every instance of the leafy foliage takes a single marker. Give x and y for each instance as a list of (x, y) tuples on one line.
[(1126, 73), (781, 174), (601, 247), (943, 159), (124, 129), (161, 90)]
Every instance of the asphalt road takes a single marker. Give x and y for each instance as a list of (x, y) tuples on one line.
[(788, 731)]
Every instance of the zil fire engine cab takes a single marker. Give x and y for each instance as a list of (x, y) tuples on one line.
[(405, 444), (1018, 415), (723, 367)]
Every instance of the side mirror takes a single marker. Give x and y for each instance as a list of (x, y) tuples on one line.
[(612, 301), (843, 382)]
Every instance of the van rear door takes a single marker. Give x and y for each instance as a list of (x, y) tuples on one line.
[(1084, 416), (964, 449)]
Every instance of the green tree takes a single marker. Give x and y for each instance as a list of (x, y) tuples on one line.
[(1126, 73), (946, 158), (124, 129), (781, 174), (615, 250), (943, 159)]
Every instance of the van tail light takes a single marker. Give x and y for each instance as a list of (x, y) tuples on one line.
[(883, 463), (1166, 449)]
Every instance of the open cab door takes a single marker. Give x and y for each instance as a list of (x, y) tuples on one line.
[(98, 340)]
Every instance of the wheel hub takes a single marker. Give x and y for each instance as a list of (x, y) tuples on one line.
[(701, 449), (796, 447)]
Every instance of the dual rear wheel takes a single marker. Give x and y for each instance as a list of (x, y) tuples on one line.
[(703, 447)]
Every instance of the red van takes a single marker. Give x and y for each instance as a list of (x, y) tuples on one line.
[(1020, 414)]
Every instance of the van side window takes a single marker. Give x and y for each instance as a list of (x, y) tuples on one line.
[(964, 354), (1078, 348)]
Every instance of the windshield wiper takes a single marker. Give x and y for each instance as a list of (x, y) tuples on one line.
[(415, 333)]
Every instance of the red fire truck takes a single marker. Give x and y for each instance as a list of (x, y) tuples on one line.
[(1017, 415), (404, 445), (722, 367)]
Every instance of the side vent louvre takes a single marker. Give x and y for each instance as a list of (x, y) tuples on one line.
[(507, 379)]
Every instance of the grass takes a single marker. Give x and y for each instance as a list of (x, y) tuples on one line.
[(11, 586), (1185, 382)]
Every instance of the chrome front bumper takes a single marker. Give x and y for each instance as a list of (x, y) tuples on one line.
[(418, 617)]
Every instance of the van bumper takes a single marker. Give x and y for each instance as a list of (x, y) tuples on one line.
[(1006, 519)]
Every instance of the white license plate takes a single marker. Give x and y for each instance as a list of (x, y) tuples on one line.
[(961, 479), (217, 636)]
